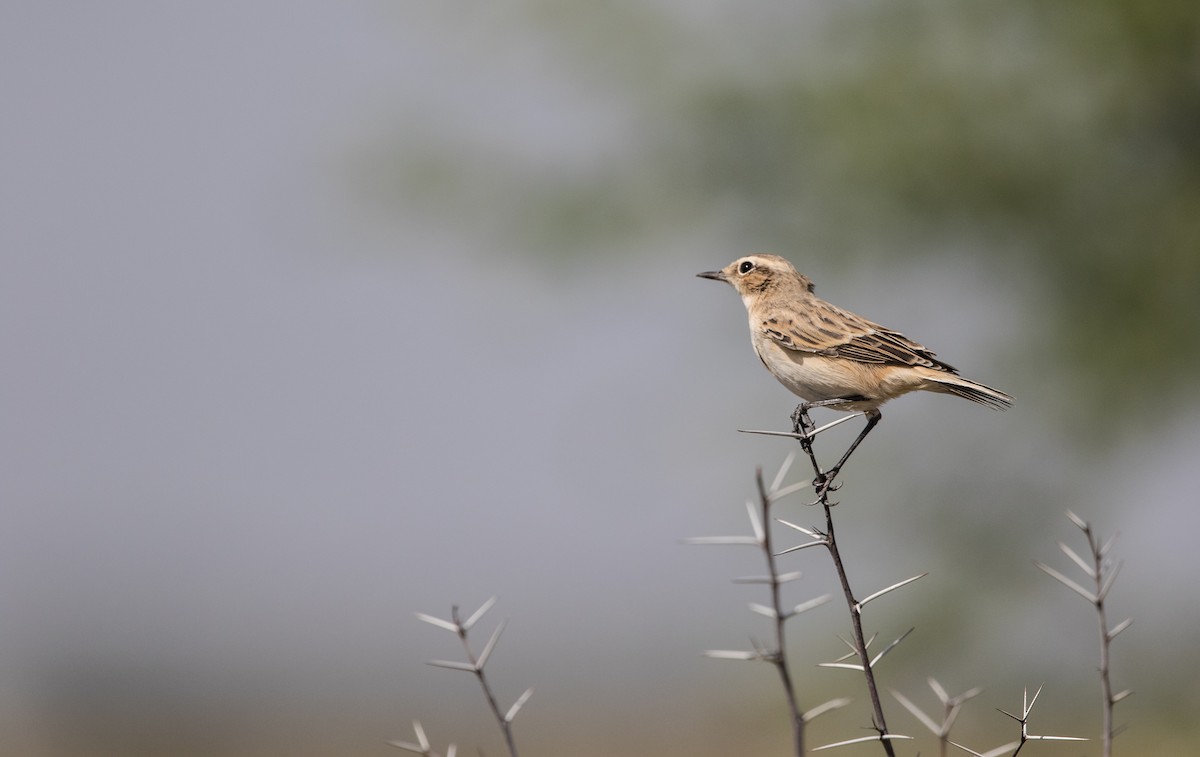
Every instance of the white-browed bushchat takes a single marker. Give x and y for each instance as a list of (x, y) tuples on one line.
[(831, 357)]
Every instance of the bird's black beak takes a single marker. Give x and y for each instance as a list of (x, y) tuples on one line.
[(714, 275)]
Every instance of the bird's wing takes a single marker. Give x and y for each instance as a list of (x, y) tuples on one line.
[(825, 329)]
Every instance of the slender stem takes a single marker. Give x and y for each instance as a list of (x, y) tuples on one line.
[(1105, 681), (505, 725), (856, 623), (779, 656), (944, 736), (802, 421)]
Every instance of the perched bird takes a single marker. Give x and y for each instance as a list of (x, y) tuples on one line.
[(831, 357)]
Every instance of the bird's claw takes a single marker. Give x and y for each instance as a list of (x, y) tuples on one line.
[(825, 483)]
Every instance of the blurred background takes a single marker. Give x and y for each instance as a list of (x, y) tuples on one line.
[(316, 315)]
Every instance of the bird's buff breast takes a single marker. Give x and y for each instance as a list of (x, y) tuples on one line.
[(815, 377)]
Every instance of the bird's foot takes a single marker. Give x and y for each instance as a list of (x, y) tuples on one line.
[(801, 423), (825, 483)]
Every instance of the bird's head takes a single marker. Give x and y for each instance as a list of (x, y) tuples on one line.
[(756, 275)]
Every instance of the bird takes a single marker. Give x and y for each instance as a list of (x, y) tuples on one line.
[(831, 357)]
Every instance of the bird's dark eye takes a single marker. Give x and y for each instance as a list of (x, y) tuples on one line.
[(745, 267)]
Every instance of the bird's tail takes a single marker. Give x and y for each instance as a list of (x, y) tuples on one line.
[(971, 390)]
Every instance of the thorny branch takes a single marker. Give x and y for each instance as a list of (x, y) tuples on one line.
[(779, 656), (1102, 572), (475, 665), (776, 654), (803, 427)]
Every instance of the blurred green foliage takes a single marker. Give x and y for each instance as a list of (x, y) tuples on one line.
[(1059, 142)]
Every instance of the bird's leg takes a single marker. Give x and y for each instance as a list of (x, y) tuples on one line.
[(825, 480), (803, 425)]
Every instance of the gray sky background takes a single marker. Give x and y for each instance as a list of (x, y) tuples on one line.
[(248, 428)]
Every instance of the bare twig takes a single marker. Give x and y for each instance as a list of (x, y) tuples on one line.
[(805, 431), (760, 522), (475, 665), (1026, 736), (951, 706), (422, 746), (1102, 572), (779, 659)]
